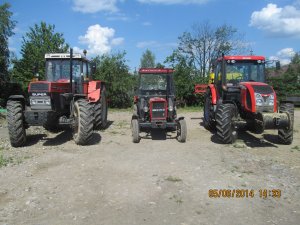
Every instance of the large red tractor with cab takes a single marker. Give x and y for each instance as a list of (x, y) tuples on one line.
[(154, 104), (68, 96), (238, 95)]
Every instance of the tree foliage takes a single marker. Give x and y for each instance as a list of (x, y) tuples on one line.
[(40, 39), (287, 83), (113, 69), (6, 30), (148, 59)]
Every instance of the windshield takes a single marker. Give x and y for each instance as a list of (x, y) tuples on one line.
[(60, 69), (245, 71), (155, 82)]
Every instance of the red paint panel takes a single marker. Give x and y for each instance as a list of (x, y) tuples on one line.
[(94, 91), (213, 92)]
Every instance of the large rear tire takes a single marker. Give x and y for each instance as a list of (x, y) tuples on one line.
[(15, 121), (83, 122), (285, 136), (226, 130), (181, 131), (208, 113), (100, 109), (135, 129)]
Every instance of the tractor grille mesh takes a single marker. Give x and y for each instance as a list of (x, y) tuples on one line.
[(39, 87), (262, 89), (158, 110)]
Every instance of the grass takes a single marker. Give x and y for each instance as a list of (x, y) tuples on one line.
[(3, 160), (173, 179), (296, 148)]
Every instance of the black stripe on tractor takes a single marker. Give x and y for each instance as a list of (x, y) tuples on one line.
[(248, 99), (262, 89), (39, 87)]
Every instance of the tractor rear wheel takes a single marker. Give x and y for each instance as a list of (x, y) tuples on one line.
[(15, 121), (135, 128), (286, 135), (181, 131), (208, 113), (226, 130), (83, 122), (100, 109)]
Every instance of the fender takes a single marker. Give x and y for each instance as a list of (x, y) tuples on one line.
[(213, 94), (94, 91)]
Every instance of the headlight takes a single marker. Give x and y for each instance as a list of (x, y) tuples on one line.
[(47, 102), (258, 99), (33, 102), (146, 109), (271, 102), (170, 108)]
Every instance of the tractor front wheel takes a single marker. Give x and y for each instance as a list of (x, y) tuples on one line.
[(226, 130), (15, 121), (208, 113), (135, 128), (181, 131), (83, 122), (286, 135), (100, 109)]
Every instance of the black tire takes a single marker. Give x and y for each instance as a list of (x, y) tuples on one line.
[(135, 129), (83, 122), (226, 131), (52, 124), (181, 131), (100, 109), (16, 125), (208, 113), (285, 136)]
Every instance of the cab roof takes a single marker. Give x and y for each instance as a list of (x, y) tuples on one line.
[(155, 70), (240, 57), (63, 56)]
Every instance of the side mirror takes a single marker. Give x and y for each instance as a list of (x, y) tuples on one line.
[(93, 68), (278, 65)]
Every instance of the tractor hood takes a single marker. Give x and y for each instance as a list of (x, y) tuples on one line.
[(46, 86), (258, 97)]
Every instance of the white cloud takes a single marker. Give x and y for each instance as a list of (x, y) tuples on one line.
[(99, 40), (284, 55), (278, 21), (94, 6), (173, 2)]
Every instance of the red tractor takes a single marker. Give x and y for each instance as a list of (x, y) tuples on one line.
[(154, 105), (239, 95), (68, 96)]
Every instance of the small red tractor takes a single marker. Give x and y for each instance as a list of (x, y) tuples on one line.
[(238, 95), (68, 96), (154, 104)]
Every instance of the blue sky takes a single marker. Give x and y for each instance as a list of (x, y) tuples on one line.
[(271, 28)]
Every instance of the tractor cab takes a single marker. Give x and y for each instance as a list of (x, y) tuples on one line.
[(154, 104), (230, 71), (58, 69), (156, 82)]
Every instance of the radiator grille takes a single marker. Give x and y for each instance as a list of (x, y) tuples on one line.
[(158, 110), (39, 87)]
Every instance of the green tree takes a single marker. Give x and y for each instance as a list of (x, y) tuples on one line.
[(6, 30), (205, 43), (113, 69), (148, 59), (40, 39)]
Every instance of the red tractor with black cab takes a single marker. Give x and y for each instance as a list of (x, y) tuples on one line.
[(68, 96), (154, 104), (238, 95)]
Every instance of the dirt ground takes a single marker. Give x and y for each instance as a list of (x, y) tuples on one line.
[(158, 181)]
